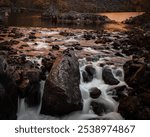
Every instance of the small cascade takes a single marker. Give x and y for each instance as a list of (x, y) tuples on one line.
[(30, 113), (106, 97), (21, 107)]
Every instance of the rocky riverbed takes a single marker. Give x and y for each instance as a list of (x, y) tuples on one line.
[(74, 74)]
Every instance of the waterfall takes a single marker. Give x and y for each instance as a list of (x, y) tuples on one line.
[(29, 113), (24, 112), (97, 81)]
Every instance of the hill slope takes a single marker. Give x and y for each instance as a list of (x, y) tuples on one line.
[(75, 5)]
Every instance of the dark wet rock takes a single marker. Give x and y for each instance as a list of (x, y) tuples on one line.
[(93, 58), (32, 36), (77, 47), (35, 43), (108, 77), (18, 35), (23, 58), (129, 107), (33, 75), (95, 92), (47, 62), (23, 86), (135, 73), (1, 39), (4, 45), (13, 42), (3, 64), (89, 58), (55, 47), (8, 93), (64, 33), (101, 41), (119, 73), (62, 82), (119, 54), (144, 114), (102, 65), (43, 73), (26, 40), (117, 45), (29, 86), (98, 108), (11, 35), (132, 50), (3, 53), (89, 36), (145, 98), (121, 92), (90, 70), (25, 45), (33, 97), (89, 73)]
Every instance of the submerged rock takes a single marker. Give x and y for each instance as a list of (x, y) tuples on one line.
[(61, 93), (98, 108), (55, 47)]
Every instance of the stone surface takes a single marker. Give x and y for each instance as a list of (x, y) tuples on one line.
[(61, 93), (108, 77), (95, 93)]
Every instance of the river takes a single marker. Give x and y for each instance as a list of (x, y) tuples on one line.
[(98, 50), (34, 20), (121, 16)]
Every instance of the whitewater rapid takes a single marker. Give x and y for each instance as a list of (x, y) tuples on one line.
[(106, 97)]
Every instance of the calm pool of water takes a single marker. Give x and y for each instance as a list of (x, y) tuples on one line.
[(34, 20), (121, 16)]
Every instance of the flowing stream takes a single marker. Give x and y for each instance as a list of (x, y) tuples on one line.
[(106, 98)]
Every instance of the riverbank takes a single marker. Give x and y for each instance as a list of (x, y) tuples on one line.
[(142, 21)]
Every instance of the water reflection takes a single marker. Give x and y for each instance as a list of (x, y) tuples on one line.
[(121, 16), (34, 20)]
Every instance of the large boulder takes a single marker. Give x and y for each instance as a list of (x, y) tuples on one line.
[(129, 107), (8, 93), (61, 93), (137, 74)]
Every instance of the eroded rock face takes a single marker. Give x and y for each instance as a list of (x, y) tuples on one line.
[(137, 74), (61, 93), (8, 93), (129, 107)]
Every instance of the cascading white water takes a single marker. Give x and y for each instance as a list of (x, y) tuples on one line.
[(27, 113), (98, 82), (106, 98)]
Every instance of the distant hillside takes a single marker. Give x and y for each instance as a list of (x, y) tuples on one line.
[(75, 5)]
